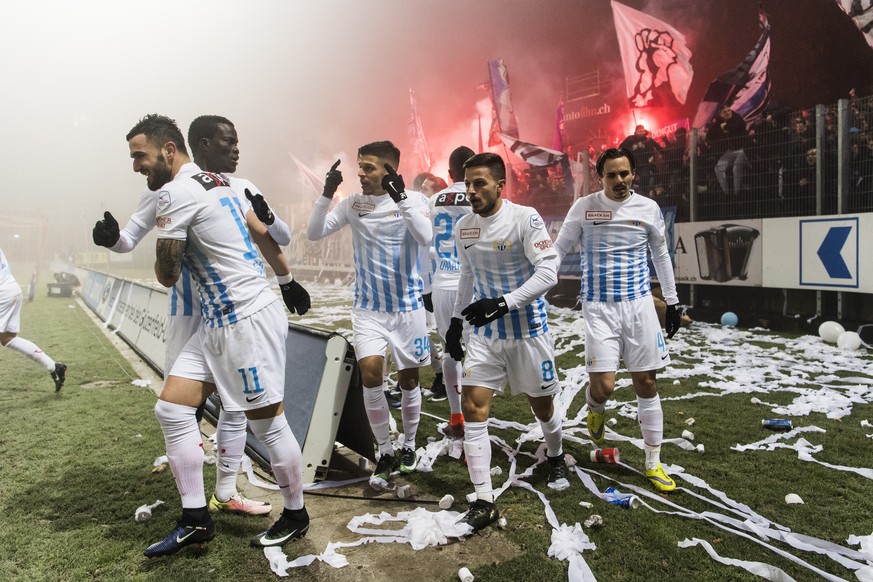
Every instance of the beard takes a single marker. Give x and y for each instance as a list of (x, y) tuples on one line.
[(160, 174)]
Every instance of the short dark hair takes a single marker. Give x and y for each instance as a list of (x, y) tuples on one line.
[(205, 126), (492, 161), (614, 154), (456, 162), (158, 130), (419, 180), (381, 149)]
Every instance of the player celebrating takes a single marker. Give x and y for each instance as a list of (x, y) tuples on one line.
[(617, 228), (214, 143), (507, 264), (389, 225), (10, 323), (240, 345)]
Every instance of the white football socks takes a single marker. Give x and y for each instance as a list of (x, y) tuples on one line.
[(477, 447), (285, 457), (184, 450), (378, 414), (32, 351), (230, 442)]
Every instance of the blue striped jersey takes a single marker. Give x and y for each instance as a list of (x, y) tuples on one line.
[(387, 257), (502, 250), (229, 275), (615, 238)]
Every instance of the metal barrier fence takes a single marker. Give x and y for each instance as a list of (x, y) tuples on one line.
[(788, 163)]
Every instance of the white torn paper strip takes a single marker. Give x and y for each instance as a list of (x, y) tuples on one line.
[(766, 571)]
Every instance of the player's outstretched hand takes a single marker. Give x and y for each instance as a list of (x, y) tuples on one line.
[(392, 182), (261, 208), (485, 311), (673, 320), (332, 180), (453, 339), (106, 233), (296, 298), (427, 298)]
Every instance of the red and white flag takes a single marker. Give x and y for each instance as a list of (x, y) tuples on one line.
[(655, 58), (314, 180), (416, 135)]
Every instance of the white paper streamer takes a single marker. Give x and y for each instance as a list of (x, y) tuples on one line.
[(766, 571)]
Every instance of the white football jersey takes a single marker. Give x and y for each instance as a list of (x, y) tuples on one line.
[(503, 251), (387, 255), (446, 209), (616, 238), (199, 207), (5, 272)]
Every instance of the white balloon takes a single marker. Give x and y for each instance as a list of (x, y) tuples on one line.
[(829, 331), (849, 340)]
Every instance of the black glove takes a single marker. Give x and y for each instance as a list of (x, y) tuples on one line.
[(392, 182), (453, 339), (105, 233), (485, 311), (332, 181), (428, 301), (261, 208), (673, 320), (296, 298)]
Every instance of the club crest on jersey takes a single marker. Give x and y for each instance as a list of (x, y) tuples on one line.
[(537, 222), (164, 199), (598, 215), (469, 233), (502, 245)]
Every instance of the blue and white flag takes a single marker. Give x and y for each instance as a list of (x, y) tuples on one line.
[(861, 13), (532, 154), (503, 116), (745, 88)]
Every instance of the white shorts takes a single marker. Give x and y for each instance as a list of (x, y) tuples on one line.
[(623, 330), (405, 333), (443, 304), (180, 328), (528, 365), (10, 306), (245, 360)]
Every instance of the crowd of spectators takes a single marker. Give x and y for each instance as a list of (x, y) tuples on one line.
[(763, 169)]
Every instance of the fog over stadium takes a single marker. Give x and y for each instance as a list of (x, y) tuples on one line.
[(318, 79)]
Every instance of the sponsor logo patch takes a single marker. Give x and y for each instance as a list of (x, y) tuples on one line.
[(362, 206), (164, 221), (164, 199), (469, 233), (543, 244), (598, 215)]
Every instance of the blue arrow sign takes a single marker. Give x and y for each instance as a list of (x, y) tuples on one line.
[(830, 252)]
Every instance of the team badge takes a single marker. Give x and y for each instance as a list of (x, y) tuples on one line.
[(502, 245), (537, 222)]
